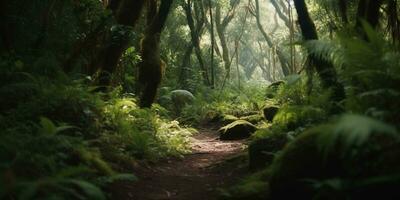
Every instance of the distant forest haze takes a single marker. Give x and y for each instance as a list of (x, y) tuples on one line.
[(200, 99)]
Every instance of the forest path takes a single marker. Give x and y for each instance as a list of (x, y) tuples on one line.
[(213, 164)]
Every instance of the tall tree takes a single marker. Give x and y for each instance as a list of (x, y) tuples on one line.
[(324, 68), (196, 31), (151, 65), (281, 56), (221, 23), (212, 45)]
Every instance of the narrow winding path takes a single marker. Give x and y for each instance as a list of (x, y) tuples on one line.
[(213, 164)]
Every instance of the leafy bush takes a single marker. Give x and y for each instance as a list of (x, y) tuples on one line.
[(142, 132)]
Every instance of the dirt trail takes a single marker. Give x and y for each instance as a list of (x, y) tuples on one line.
[(197, 176)]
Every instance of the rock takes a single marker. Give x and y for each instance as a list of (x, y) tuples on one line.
[(237, 130), (164, 100), (263, 150), (269, 112), (300, 160), (305, 159), (181, 98)]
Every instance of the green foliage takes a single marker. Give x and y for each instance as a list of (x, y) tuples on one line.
[(371, 84), (143, 132), (229, 101), (72, 138), (352, 131)]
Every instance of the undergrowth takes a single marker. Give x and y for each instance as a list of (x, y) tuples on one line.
[(59, 139)]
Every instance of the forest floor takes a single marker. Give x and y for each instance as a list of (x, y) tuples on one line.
[(212, 165)]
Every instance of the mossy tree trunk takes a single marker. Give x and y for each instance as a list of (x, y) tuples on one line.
[(151, 65), (324, 68)]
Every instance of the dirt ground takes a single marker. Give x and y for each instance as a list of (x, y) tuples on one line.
[(212, 165)]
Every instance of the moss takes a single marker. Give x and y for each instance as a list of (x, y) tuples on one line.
[(239, 129), (304, 159)]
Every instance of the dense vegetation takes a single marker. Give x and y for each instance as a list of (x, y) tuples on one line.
[(91, 89)]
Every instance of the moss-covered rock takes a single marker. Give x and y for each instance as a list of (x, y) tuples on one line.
[(269, 112), (237, 130), (263, 150), (364, 170), (299, 160)]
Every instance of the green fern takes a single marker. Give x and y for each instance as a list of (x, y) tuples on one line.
[(47, 127), (352, 131)]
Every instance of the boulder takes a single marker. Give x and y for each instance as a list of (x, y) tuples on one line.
[(300, 160), (269, 112), (181, 97), (164, 101), (237, 130), (319, 155)]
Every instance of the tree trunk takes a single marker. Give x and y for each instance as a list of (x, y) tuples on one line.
[(185, 63), (282, 59), (221, 25), (368, 10), (325, 69), (151, 65), (127, 14), (281, 15), (195, 34), (212, 46)]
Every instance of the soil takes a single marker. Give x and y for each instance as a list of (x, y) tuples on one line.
[(212, 165)]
